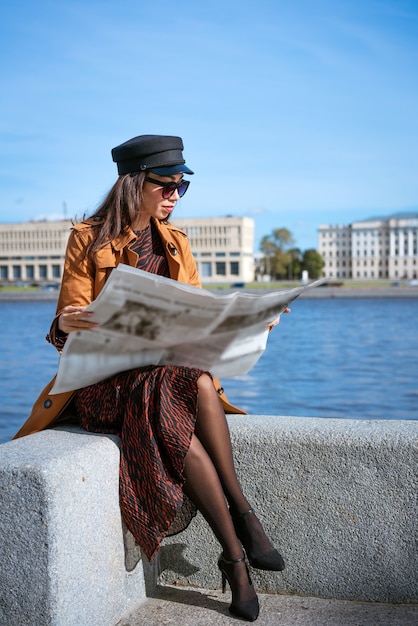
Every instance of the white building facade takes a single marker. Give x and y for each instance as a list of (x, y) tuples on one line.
[(223, 247), (33, 252), (385, 248)]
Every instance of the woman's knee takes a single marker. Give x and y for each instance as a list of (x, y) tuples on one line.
[(205, 384)]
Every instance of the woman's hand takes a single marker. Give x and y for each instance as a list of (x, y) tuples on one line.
[(75, 318), (276, 321)]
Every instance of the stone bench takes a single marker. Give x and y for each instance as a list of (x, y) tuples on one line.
[(61, 535), (338, 497)]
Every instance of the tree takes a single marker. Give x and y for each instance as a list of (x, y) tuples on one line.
[(294, 267), (276, 249), (283, 261), (313, 263)]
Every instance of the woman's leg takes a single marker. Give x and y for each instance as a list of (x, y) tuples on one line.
[(213, 433), (204, 488)]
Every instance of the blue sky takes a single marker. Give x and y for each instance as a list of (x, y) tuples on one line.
[(293, 113)]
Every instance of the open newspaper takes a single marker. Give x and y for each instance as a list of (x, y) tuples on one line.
[(146, 319)]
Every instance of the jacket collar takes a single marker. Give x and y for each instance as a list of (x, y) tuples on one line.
[(123, 240)]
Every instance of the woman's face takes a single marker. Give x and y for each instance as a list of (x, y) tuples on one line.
[(153, 204)]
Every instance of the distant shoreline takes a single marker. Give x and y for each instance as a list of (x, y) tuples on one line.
[(318, 292), (361, 292)]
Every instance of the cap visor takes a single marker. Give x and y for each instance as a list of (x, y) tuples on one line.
[(171, 169)]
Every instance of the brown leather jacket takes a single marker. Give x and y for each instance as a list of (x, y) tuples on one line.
[(81, 284)]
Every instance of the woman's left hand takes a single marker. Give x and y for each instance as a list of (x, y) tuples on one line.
[(276, 321)]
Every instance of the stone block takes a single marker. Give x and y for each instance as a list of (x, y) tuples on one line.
[(61, 535)]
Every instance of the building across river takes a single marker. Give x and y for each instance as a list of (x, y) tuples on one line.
[(381, 247), (33, 252), (376, 248)]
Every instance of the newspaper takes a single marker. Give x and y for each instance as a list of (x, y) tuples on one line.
[(145, 319)]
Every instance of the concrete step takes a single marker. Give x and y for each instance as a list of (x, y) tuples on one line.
[(185, 606)]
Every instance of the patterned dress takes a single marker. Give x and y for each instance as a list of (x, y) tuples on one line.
[(153, 410)]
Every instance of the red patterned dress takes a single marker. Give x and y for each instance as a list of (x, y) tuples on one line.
[(153, 411)]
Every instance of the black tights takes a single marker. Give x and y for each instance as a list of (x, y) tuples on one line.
[(211, 477)]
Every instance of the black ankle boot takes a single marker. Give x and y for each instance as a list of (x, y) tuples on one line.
[(271, 561), (244, 609)]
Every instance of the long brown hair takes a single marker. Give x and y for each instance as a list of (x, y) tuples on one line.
[(119, 209)]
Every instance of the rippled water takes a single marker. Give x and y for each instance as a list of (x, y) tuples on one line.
[(338, 358), (355, 358)]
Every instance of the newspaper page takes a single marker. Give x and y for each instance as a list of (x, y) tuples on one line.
[(145, 319)]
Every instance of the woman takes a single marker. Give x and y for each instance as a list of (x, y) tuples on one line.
[(174, 435)]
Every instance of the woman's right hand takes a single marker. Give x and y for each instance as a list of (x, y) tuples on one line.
[(75, 318)]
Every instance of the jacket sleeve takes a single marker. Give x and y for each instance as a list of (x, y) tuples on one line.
[(77, 286)]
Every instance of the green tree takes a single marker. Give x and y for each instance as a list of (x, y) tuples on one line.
[(294, 267), (284, 261), (313, 263), (276, 249)]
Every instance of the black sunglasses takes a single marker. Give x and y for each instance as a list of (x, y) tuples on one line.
[(169, 188)]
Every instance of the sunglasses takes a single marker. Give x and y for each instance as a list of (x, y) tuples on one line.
[(169, 188)]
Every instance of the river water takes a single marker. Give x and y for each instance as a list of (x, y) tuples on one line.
[(346, 358)]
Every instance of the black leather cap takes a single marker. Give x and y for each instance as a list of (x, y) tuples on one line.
[(149, 152)]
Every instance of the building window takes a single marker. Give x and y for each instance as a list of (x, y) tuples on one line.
[(206, 270), (221, 268), (43, 271), (30, 271), (4, 272), (219, 254), (56, 271), (235, 268), (17, 272)]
